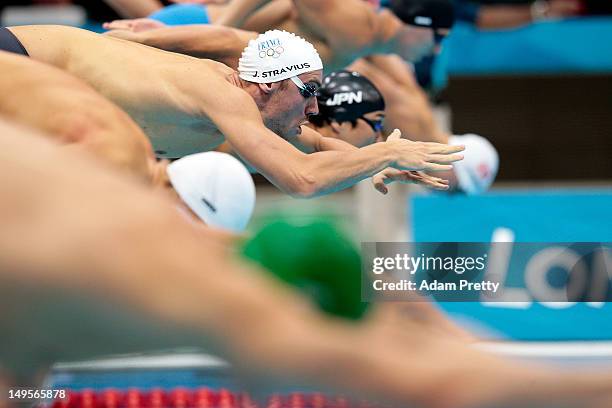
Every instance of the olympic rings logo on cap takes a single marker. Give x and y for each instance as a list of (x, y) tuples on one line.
[(271, 52)]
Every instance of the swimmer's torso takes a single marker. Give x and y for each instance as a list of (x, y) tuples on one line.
[(155, 87), (68, 110)]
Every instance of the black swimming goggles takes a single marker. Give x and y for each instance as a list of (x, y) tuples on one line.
[(376, 124), (307, 90)]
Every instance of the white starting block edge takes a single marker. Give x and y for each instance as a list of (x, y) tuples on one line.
[(584, 352)]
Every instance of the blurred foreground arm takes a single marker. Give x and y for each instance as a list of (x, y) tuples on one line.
[(219, 43)]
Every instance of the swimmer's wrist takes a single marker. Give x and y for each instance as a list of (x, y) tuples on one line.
[(391, 153)]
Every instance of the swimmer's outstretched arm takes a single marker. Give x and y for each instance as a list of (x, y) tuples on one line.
[(318, 143), (219, 43), (309, 175), (61, 225)]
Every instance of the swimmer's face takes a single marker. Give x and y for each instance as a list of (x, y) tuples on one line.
[(286, 110), (362, 133)]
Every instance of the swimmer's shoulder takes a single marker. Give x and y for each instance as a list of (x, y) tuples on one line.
[(213, 73), (189, 63), (218, 67)]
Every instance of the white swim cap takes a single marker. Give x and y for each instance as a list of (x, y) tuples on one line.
[(277, 55), (477, 171), (215, 186)]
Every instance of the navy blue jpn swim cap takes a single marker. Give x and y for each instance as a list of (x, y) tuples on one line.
[(347, 96), (433, 14)]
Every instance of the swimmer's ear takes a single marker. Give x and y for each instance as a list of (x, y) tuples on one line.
[(269, 88), (336, 127), (158, 170)]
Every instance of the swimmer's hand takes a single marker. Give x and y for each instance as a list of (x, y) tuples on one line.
[(390, 175), (135, 25), (125, 35), (426, 156)]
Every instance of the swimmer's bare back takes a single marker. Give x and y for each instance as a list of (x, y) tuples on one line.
[(167, 94), (70, 111)]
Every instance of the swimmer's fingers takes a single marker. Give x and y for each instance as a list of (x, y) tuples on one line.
[(441, 148), (428, 180), (420, 155), (391, 175), (380, 179), (444, 158), (119, 25), (395, 135), (437, 167), (429, 147), (418, 177), (136, 25)]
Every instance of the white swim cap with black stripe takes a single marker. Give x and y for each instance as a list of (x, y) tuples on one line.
[(277, 55), (216, 187)]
